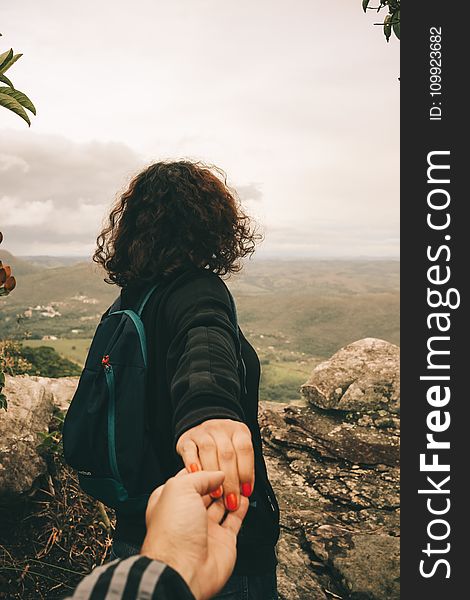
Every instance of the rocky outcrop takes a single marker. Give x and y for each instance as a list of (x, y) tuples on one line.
[(362, 378), (29, 413), (333, 464)]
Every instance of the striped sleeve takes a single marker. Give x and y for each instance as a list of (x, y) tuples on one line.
[(134, 578)]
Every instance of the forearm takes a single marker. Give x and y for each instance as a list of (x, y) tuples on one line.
[(139, 575)]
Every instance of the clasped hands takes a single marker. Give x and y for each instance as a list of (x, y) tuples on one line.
[(186, 528)]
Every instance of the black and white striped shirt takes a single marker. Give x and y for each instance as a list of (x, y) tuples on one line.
[(134, 578)]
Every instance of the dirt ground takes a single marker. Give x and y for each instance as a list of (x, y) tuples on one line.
[(52, 538)]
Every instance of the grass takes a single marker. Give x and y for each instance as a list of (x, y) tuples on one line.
[(73, 349), (282, 376)]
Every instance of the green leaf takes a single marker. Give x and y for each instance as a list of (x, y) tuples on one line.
[(2, 379), (6, 57), (3, 402), (396, 24), (60, 416), (19, 97), (387, 27), (4, 79), (9, 63), (365, 4), (46, 443), (13, 105)]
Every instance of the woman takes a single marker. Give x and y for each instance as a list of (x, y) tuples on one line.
[(178, 224)]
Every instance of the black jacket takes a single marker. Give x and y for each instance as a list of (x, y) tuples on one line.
[(194, 375)]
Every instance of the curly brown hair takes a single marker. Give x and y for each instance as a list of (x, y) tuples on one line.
[(174, 214)]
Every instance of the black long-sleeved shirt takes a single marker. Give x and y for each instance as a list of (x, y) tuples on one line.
[(194, 375), (135, 578)]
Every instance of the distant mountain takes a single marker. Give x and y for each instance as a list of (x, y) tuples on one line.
[(61, 284), (54, 261), (19, 266)]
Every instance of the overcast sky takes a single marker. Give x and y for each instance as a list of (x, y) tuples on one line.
[(297, 101)]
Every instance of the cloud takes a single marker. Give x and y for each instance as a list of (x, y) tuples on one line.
[(250, 192), (10, 161), (307, 123), (329, 238), (55, 192)]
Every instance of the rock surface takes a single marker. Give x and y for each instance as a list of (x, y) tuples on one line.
[(62, 389), (31, 402), (361, 378), (29, 412), (339, 504)]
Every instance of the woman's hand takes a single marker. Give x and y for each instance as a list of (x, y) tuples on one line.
[(221, 445)]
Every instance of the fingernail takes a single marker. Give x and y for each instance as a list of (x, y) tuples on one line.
[(194, 467), (246, 489), (217, 493), (231, 501)]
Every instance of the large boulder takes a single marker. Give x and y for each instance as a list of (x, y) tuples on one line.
[(30, 408), (361, 378)]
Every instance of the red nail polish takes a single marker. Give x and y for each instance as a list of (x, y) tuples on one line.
[(194, 467), (217, 493), (231, 501), (246, 489)]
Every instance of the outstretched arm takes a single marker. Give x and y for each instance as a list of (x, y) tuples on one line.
[(204, 380)]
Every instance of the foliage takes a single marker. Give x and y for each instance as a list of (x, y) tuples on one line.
[(75, 350), (51, 442), (13, 362), (47, 362), (392, 19), (11, 98), (44, 361)]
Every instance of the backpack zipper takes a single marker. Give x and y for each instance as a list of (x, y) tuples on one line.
[(110, 381)]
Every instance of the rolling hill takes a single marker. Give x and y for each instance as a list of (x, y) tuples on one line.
[(295, 313), (313, 307)]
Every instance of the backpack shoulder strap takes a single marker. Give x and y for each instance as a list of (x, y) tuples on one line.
[(117, 304), (145, 299)]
